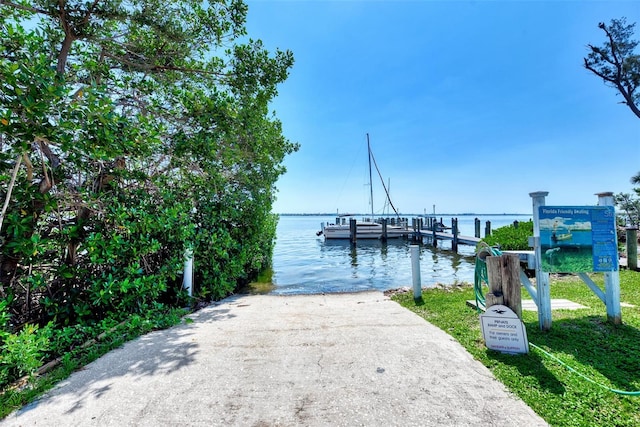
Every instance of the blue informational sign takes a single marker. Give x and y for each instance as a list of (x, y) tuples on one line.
[(576, 239)]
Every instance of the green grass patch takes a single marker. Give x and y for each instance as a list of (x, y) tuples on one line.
[(581, 339)]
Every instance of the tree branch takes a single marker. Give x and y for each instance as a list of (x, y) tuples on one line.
[(616, 61), (10, 189), (600, 52), (90, 10), (25, 8), (150, 67), (610, 67), (629, 100), (63, 55), (597, 73)]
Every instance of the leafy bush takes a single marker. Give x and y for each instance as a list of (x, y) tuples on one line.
[(20, 353), (510, 237), (122, 144)]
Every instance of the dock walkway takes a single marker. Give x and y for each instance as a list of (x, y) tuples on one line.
[(442, 235)]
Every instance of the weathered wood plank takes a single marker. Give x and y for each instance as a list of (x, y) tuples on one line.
[(503, 273)]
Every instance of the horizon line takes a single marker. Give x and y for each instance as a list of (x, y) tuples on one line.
[(402, 214)]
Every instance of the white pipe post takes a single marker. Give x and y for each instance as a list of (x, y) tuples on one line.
[(611, 278), (415, 272), (542, 279), (187, 272)]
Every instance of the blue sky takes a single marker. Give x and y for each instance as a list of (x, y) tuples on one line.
[(469, 106)]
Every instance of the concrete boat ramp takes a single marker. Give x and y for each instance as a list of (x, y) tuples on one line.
[(306, 360)]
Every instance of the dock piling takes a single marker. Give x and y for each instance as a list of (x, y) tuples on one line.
[(454, 231), (434, 234), (352, 231), (384, 229)]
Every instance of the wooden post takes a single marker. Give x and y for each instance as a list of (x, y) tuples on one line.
[(413, 227), (542, 279), (454, 230), (504, 282), (435, 236), (632, 248), (487, 229), (353, 231), (611, 278), (384, 229), (477, 228), (495, 296)]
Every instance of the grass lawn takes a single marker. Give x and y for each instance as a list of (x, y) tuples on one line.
[(583, 340)]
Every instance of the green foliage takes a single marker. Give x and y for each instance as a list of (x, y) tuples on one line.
[(582, 339), (510, 237), (616, 62), (137, 131), (79, 345), (21, 353), (630, 207)]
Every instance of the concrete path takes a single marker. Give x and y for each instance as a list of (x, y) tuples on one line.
[(315, 360)]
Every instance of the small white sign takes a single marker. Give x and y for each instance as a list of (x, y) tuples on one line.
[(503, 331)]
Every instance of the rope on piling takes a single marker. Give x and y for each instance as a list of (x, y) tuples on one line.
[(481, 278)]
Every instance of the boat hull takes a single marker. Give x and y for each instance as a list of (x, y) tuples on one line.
[(364, 230)]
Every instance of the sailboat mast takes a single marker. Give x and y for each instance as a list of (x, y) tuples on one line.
[(370, 179)]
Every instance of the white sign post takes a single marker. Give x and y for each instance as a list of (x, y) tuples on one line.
[(503, 330)]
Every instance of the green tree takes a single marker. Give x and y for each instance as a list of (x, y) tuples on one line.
[(618, 65), (630, 205), (616, 62), (129, 131)]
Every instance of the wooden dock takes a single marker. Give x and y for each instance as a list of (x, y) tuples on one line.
[(428, 234), (429, 229), (433, 231)]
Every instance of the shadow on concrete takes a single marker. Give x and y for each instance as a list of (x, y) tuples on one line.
[(159, 353)]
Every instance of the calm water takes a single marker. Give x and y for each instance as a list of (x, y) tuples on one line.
[(305, 263)]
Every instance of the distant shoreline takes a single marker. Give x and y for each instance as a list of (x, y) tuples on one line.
[(406, 214)]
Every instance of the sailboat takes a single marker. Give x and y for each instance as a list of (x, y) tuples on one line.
[(367, 228)]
